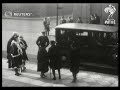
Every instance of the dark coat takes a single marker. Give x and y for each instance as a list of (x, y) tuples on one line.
[(17, 61), (8, 48), (63, 21), (92, 21), (79, 21), (42, 57), (42, 41), (55, 62), (75, 61), (10, 59), (8, 45), (97, 20), (70, 21), (23, 42)]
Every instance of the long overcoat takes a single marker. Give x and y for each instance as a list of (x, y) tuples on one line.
[(24, 47), (17, 61), (54, 57), (42, 57), (75, 61), (9, 54)]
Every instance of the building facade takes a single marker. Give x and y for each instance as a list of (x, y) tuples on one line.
[(38, 9), (84, 10)]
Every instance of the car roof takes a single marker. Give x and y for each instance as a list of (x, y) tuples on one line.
[(87, 27)]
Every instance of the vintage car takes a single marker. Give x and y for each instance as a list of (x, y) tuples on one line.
[(97, 44)]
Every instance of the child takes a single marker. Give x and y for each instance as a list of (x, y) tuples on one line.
[(55, 62), (24, 46)]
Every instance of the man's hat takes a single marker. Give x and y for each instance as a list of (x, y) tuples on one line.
[(52, 42), (15, 35), (21, 37), (43, 32)]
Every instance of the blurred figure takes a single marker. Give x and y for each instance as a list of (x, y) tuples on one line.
[(70, 19), (16, 53), (46, 24), (75, 61), (79, 20), (43, 62), (42, 56), (97, 19), (24, 46), (10, 64), (92, 19), (55, 62), (62, 20)]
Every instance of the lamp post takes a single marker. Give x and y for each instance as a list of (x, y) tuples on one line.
[(57, 13)]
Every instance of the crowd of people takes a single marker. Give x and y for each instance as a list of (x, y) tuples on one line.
[(46, 60), (94, 19), (16, 53), (17, 46), (52, 58)]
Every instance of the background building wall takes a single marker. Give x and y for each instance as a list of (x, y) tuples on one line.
[(84, 11), (81, 10), (38, 9)]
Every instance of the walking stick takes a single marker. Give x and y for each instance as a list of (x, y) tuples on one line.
[(50, 69), (50, 73)]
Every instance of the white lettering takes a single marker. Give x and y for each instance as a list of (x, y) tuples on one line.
[(22, 14), (109, 21), (15, 14), (28, 14)]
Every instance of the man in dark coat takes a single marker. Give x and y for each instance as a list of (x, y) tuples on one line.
[(24, 46), (75, 61), (42, 56), (62, 21), (55, 62), (8, 50), (46, 24), (92, 19), (79, 20), (97, 19), (70, 20), (43, 61)]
